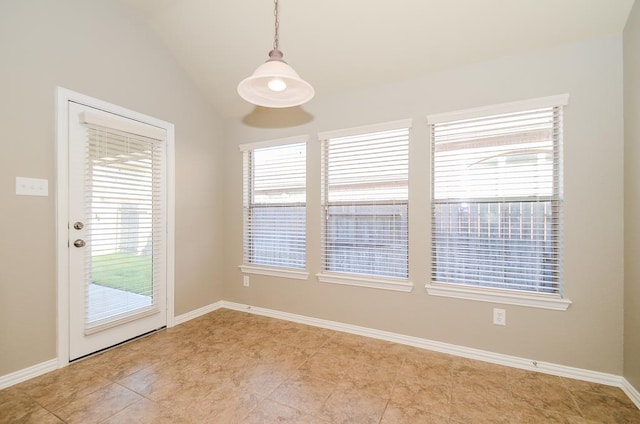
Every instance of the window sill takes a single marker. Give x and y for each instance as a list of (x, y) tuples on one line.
[(542, 301), (275, 271), (363, 281)]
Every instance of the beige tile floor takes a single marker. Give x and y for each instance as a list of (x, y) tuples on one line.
[(234, 367)]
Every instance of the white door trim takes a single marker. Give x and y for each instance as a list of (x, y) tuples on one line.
[(63, 96)]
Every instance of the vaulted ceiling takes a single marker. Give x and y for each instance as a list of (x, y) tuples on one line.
[(340, 45)]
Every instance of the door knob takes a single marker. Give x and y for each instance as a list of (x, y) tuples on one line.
[(78, 225), (79, 243)]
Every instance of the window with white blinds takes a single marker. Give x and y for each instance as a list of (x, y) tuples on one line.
[(275, 204), (365, 201), (496, 200), (125, 225)]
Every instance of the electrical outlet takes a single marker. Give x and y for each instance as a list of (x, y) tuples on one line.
[(245, 280), (499, 316)]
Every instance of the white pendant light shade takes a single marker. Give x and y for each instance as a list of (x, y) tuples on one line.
[(275, 84)]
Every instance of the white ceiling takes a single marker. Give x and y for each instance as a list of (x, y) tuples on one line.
[(340, 45)]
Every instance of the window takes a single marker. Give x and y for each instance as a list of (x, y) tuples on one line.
[(364, 206), (496, 198), (275, 206)]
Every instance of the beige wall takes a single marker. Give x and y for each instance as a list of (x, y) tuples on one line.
[(632, 198), (589, 335), (98, 49)]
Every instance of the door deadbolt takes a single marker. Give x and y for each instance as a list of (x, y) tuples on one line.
[(79, 243), (78, 225)]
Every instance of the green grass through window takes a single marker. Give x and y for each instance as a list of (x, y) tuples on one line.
[(124, 271)]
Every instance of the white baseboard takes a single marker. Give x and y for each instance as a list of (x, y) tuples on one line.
[(481, 355), (197, 313), (27, 373), (631, 391)]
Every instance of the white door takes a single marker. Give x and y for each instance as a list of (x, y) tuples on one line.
[(117, 228)]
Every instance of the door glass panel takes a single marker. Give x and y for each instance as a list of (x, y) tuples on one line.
[(121, 192)]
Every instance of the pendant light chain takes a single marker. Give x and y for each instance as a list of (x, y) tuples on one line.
[(276, 40)]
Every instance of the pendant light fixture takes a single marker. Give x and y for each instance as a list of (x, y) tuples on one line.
[(275, 83)]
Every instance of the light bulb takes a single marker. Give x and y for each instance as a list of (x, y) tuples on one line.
[(277, 84)]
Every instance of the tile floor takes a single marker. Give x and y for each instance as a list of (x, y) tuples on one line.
[(234, 367)]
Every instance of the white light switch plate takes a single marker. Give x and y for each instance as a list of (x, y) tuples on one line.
[(32, 186)]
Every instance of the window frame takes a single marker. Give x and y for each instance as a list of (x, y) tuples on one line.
[(247, 267), (357, 279), (493, 294)]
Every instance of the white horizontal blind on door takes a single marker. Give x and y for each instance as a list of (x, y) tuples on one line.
[(496, 201), (126, 225), (275, 221), (365, 203)]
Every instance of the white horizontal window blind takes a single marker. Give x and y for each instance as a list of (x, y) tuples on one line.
[(496, 201), (275, 205), (125, 200), (365, 196)]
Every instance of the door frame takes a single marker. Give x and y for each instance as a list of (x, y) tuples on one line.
[(63, 97)]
